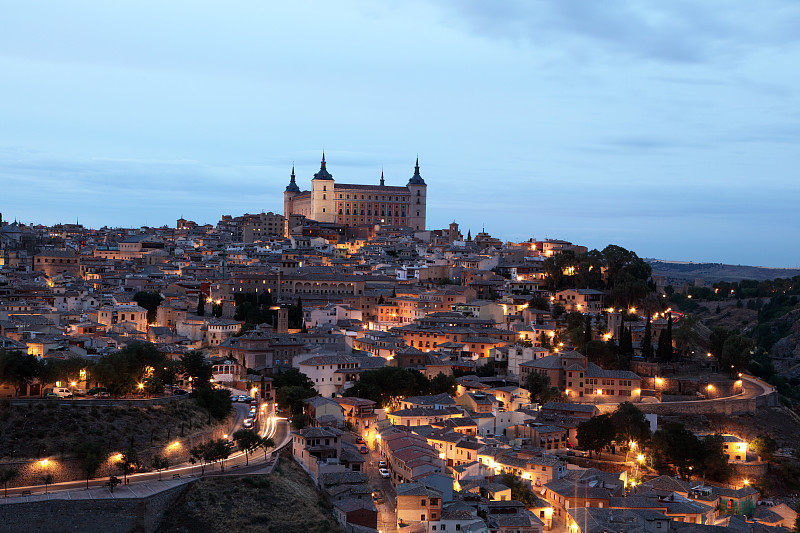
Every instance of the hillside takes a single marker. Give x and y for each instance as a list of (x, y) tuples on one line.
[(285, 502), (711, 272)]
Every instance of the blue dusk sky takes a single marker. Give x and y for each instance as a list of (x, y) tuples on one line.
[(671, 128)]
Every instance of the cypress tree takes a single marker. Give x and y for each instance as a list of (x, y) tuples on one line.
[(201, 305), (668, 345), (647, 341), (587, 330)]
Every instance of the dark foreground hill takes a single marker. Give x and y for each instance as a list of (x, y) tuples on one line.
[(285, 502)]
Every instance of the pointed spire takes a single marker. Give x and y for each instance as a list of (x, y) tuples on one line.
[(323, 173), (416, 179), (382, 182), (292, 187), (323, 159)]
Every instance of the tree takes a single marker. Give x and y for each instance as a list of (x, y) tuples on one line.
[(194, 366), (149, 300), (717, 340), (443, 383), (91, 454), (519, 490), (248, 441), (217, 402), (266, 444), (18, 369), (292, 396), (217, 451), (596, 433), (7, 475), (764, 446), (630, 424), (128, 463), (538, 385), (539, 302), (47, 479), (198, 453), (647, 341), (201, 304), (677, 443), (160, 463), (687, 337), (113, 481), (715, 464), (736, 354)]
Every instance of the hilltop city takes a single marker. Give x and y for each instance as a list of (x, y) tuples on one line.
[(411, 379)]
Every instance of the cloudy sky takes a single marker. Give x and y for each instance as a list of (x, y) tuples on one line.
[(670, 128)]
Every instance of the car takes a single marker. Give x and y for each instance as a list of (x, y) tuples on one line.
[(382, 464), (253, 412), (384, 472), (78, 392), (278, 410), (377, 496), (248, 423), (254, 403), (363, 449), (360, 440), (62, 392), (179, 392), (102, 394), (95, 390), (52, 396), (241, 398)]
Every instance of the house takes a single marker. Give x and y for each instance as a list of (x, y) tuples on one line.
[(512, 517), (356, 511), (359, 413), (332, 373), (600, 520), (416, 503), (588, 488), (734, 448), (321, 411), (478, 402), (436, 401), (420, 416), (318, 450), (581, 300)]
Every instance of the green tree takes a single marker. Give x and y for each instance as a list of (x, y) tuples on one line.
[(47, 479), (292, 396), (248, 441), (149, 300), (201, 304), (217, 451), (673, 441), (687, 337), (647, 341), (266, 444), (217, 402), (195, 366), (8, 475), (113, 481), (717, 340), (91, 454), (630, 424), (160, 463), (736, 354), (519, 490), (198, 453), (596, 433), (764, 446), (539, 302), (443, 383), (714, 461), (538, 385), (18, 369), (129, 463)]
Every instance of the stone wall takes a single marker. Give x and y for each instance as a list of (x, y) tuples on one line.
[(112, 515)]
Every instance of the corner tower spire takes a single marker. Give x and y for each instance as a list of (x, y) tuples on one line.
[(416, 179), (292, 187), (323, 173)]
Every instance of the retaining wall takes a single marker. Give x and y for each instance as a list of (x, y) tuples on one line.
[(112, 515)]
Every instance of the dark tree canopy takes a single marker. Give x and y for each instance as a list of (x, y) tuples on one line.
[(149, 300)]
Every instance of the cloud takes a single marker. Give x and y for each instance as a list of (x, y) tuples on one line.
[(679, 31)]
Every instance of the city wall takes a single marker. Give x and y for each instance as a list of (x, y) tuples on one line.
[(112, 515)]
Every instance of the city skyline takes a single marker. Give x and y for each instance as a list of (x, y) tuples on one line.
[(669, 130)]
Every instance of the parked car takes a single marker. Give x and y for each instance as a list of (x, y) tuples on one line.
[(102, 394), (95, 390), (360, 440), (78, 392), (377, 496), (384, 472), (62, 392), (364, 449), (241, 398), (254, 403), (179, 392), (52, 396), (248, 423), (382, 464)]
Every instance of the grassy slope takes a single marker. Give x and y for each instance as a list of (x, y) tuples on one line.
[(285, 502), (43, 428)]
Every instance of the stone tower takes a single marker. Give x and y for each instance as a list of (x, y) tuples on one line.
[(417, 209)]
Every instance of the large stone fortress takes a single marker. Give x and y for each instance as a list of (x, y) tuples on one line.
[(348, 204)]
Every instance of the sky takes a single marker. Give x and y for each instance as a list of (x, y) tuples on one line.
[(668, 128)]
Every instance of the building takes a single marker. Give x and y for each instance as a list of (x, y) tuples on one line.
[(347, 204), (417, 503)]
